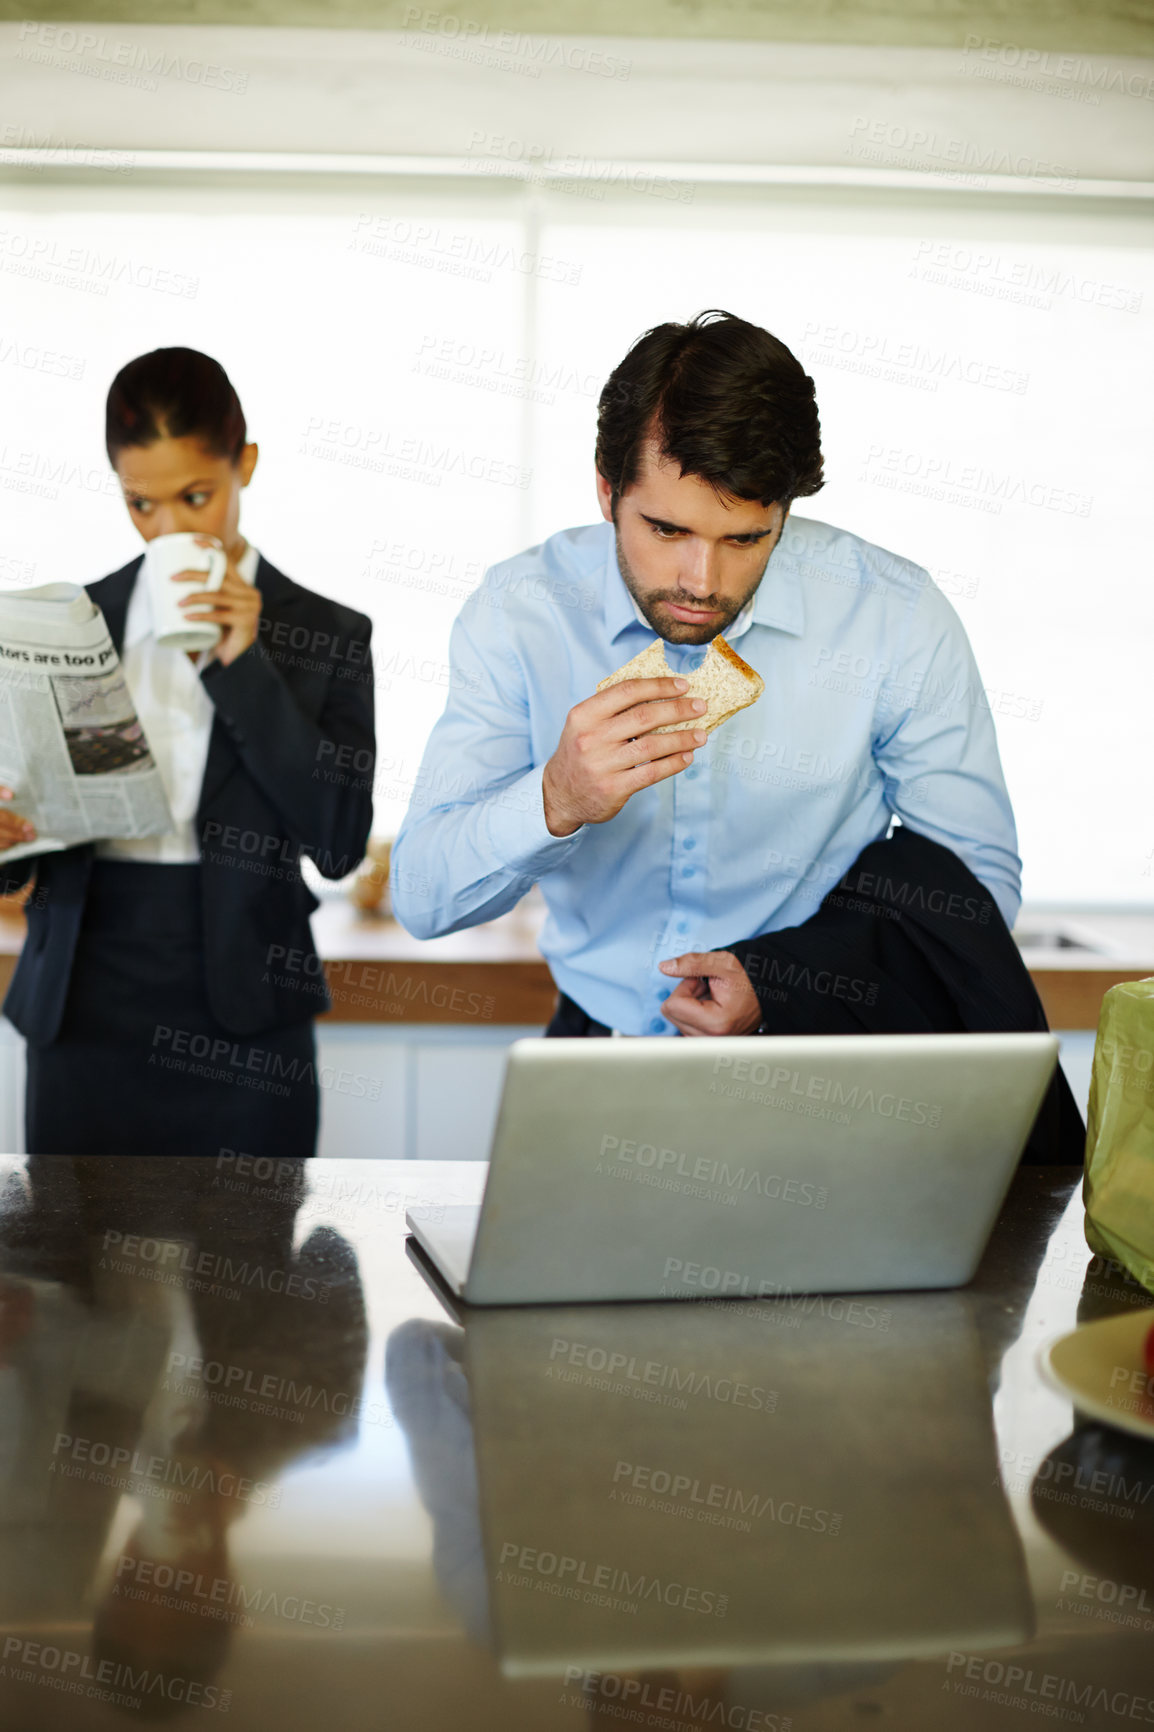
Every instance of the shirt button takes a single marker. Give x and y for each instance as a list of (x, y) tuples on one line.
[(683, 926), (689, 842), (656, 1026), (691, 775), (688, 871)]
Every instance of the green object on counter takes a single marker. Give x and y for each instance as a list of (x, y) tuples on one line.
[(1119, 1186)]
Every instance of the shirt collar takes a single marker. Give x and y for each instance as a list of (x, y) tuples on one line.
[(777, 602), (248, 562), (138, 622), (621, 611)]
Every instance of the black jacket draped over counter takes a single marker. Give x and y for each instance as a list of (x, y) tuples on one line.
[(909, 942)]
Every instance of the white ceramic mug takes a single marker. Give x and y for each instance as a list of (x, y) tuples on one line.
[(163, 556)]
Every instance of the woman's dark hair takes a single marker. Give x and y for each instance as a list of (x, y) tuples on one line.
[(174, 394), (723, 399)]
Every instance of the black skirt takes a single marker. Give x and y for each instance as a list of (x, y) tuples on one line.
[(140, 1065)]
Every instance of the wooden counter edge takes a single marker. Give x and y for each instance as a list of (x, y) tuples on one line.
[(479, 994), (1072, 998), (484, 994)]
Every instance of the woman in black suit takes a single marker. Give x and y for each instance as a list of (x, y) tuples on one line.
[(167, 986)]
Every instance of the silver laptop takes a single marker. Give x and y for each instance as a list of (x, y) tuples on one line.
[(733, 1168)]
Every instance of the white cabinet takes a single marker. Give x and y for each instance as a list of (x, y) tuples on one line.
[(412, 1091), (11, 1089)]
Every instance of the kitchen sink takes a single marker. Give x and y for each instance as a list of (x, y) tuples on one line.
[(1050, 938)]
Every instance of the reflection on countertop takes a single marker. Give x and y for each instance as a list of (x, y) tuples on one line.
[(252, 1460)]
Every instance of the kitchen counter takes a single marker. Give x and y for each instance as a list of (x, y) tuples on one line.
[(494, 973), (253, 1464)]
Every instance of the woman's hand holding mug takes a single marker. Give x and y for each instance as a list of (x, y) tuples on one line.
[(233, 607)]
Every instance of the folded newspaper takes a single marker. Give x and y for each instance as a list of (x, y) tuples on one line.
[(71, 746)]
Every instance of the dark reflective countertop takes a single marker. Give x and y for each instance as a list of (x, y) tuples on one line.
[(252, 1465)]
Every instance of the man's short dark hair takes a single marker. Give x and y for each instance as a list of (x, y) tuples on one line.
[(723, 399)]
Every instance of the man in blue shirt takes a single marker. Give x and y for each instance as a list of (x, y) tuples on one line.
[(656, 851)]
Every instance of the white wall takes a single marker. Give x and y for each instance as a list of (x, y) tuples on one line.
[(436, 91)]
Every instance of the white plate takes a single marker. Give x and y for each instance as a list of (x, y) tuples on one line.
[(1089, 1363)]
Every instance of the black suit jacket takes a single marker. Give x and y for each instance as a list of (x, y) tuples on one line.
[(289, 771), (909, 942)]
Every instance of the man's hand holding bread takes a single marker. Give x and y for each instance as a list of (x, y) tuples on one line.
[(609, 748), (637, 729)]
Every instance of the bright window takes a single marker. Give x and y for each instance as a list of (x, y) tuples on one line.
[(420, 362)]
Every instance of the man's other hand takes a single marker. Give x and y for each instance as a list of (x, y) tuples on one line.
[(713, 996)]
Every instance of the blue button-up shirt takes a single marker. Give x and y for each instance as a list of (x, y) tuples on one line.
[(873, 707)]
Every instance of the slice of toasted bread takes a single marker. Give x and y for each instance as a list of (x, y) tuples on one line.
[(726, 683), (650, 664)]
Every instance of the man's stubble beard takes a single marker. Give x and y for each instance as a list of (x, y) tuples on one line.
[(678, 630)]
